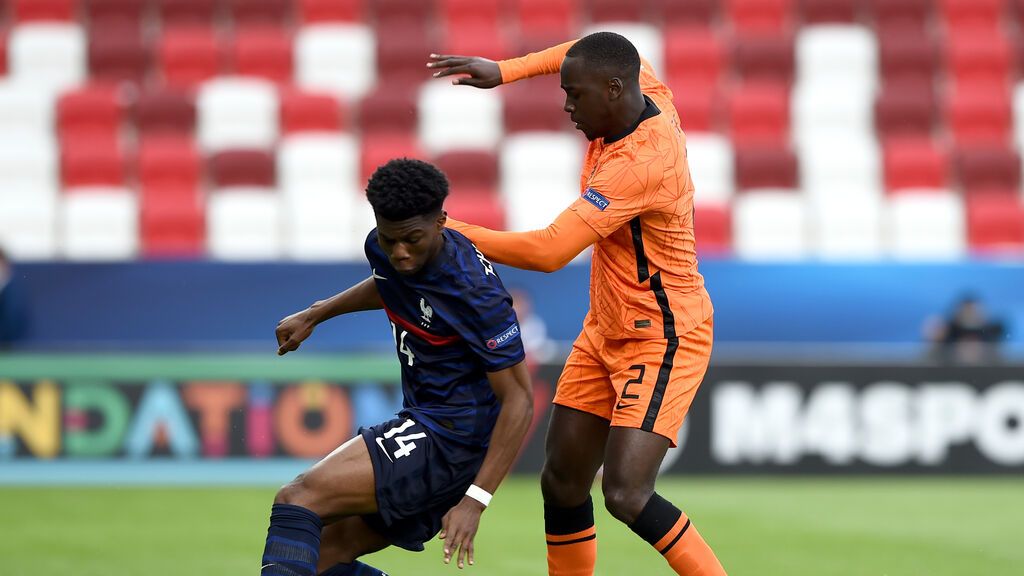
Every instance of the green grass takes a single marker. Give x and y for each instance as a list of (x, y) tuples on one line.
[(777, 526)]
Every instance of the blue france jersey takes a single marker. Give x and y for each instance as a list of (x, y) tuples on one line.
[(453, 322)]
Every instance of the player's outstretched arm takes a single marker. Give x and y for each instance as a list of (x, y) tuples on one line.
[(459, 526), (484, 73), (294, 329)]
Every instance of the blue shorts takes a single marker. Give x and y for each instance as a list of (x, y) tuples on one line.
[(419, 477)]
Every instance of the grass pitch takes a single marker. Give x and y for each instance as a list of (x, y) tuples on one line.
[(757, 526)]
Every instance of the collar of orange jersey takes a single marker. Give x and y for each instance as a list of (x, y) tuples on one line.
[(650, 111)]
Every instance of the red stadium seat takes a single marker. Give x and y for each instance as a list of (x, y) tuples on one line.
[(698, 106), (168, 162), (760, 15), (310, 112), (823, 11), (178, 13), (115, 12), (906, 53), (906, 108), (765, 166), (242, 168), (547, 18), (980, 14), (388, 110), (760, 56), (995, 222), (615, 10), (3, 51), (691, 13), (188, 56), (470, 169), (44, 10), (378, 148), (92, 161), (405, 54), (988, 168), (900, 13), (470, 12), (168, 110), (480, 206), (977, 56), (694, 55), (117, 53), (535, 105), (387, 11), (980, 114), (486, 40), (264, 51), (915, 163), (170, 227), (263, 12), (326, 11), (712, 226), (93, 111), (759, 112)]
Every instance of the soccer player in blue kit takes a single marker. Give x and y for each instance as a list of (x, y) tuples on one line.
[(467, 396)]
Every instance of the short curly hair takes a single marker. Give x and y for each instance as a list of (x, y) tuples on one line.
[(609, 52), (404, 188)]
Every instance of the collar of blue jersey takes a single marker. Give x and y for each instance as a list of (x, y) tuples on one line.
[(650, 111)]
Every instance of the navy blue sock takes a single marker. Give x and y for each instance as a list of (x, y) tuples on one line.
[(356, 568), (293, 542)]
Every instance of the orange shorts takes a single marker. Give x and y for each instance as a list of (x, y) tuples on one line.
[(645, 384)]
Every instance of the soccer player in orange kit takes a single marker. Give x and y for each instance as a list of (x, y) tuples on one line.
[(646, 341)]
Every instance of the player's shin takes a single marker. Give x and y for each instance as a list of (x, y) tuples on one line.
[(293, 542), (672, 534), (571, 539), (354, 568)]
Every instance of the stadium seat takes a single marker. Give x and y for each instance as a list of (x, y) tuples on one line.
[(389, 108), (260, 12), (171, 229), (979, 114), (453, 118), (336, 58), (317, 227), (980, 56), (905, 108), (237, 113), (470, 169), (915, 162), (672, 13), (546, 18), (416, 10), (92, 161), (123, 13), (823, 110), (764, 56), (379, 147), (829, 11), (486, 40), (25, 111), (263, 52), (28, 163), (615, 11), (535, 105), (710, 157), (478, 206), (925, 225), (308, 163), (188, 56), (845, 228), (244, 224), (995, 222), (770, 224), (699, 107), (900, 13), (540, 177), (988, 168), (117, 53), (169, 162), (459, 13), (331, 11), (402, 58), (28, 223), (242, 168), (167, 110), (841, 165), (712, 226), (177, 13), (92, 110), (303, 111), (646, 38), (694, 55), (1018, 116), (43, 10), (837, 53), (906, 53), (99, 223), (759, 112), (765, 166), (760, 15), (3, 49), (49, 55), (978, 14)]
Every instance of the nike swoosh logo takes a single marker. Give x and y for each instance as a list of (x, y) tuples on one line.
[(265, 566), (378, 276), (380, 442), (621, 406)]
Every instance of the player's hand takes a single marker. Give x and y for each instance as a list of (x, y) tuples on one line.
[(292, 331), (479, 72), (458, 528)]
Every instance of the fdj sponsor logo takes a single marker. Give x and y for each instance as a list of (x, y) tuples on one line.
[(595, 198), (499, 340)]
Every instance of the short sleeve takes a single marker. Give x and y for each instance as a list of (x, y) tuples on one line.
[(617, 193)]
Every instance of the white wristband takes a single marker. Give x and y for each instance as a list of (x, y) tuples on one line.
[(479, 494)]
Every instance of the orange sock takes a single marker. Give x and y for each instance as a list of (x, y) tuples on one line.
[(670, 532), (572, 539)]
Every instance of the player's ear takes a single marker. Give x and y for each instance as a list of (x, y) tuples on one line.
[(442, 219), (614, 88)]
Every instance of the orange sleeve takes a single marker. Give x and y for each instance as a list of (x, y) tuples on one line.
[(544, 250), (534, 64)]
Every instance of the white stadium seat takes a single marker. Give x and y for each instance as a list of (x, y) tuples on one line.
[(646, 38), (458, 117), (926, 225), (28, 163), (712, 167), (244, 223), (50, 55), (318, 226), (99, 223), (25, 112), (540, 177), (237, 113), (337, 58), (831, 110), (841, 166), (315, 162), (1018, 116), (770, 224), (847, 227), (837, 53), (28, 223)]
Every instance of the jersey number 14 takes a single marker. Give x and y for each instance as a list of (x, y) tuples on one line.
[(400, 342)]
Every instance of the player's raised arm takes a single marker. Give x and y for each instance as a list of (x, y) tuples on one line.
[(294, 329), (459, 526), (483, 73)]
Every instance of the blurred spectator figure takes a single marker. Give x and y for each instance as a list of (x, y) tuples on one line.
[(539, 348), (968, 336), (13, 309)]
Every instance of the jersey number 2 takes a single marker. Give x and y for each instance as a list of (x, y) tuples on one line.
[(400, 341)]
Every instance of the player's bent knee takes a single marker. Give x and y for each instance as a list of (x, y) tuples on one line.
[(296, 493), (563, 489), (625, 502)]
